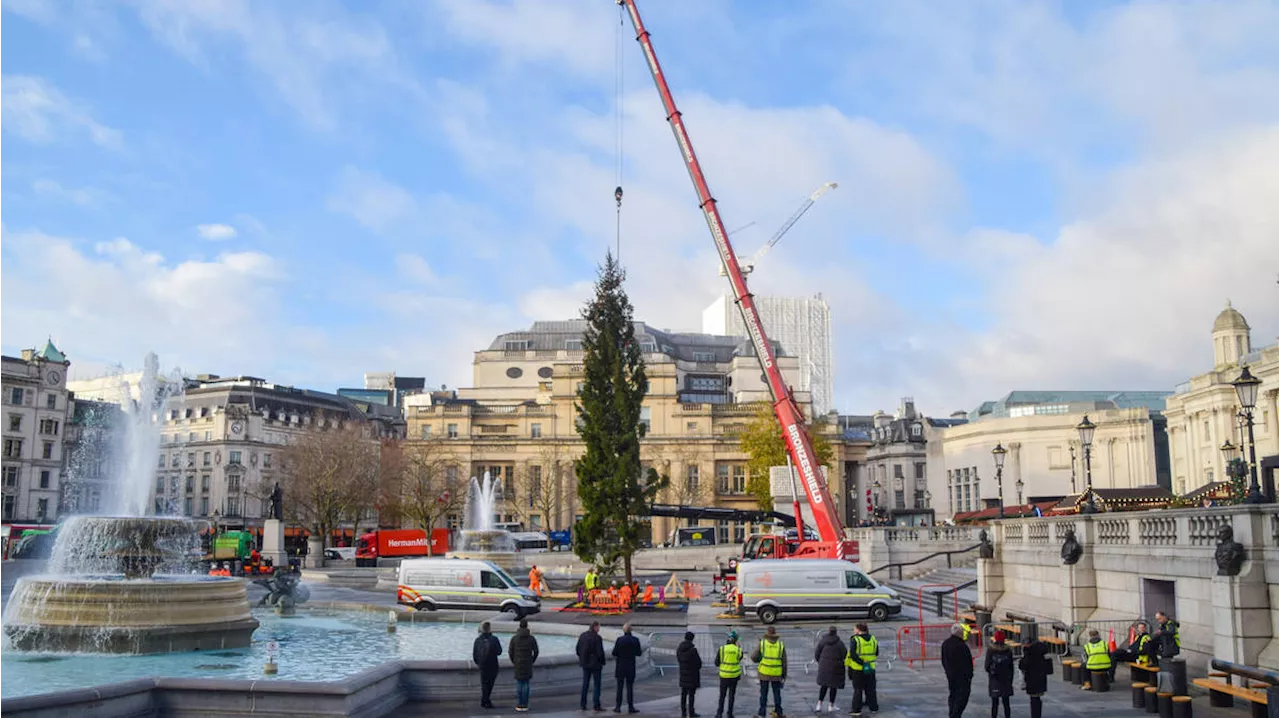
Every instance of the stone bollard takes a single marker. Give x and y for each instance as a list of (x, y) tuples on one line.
[(1178, 674), (270, 668), (391, 621), (1100, 681), (1068, 671), (1150, 700), (1182, 707), (1165, 706), (1139, 695), (1079, 674)]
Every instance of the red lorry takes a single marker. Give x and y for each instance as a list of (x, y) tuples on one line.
[(399, 543)]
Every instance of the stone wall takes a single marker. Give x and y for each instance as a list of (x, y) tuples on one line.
[(881, 546), (1232, 618)]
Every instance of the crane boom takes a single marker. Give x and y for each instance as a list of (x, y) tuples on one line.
[(831, 543), (750, 265)]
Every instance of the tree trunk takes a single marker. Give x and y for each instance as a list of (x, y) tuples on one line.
[(626, 562)]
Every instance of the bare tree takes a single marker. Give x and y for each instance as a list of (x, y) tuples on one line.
[(687, 488), (328, 476), (426, 487)]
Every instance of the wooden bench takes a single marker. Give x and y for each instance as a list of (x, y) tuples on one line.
[(1059, 644), (1137, 671), (1221, 695), (968, 618)]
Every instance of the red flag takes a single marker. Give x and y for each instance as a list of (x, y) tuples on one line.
[(1133, 634), (1111, 639)]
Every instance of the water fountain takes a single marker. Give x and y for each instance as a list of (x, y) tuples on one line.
[(123, 583), (479, 539)]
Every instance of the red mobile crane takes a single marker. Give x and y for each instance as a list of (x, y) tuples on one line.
[(831, 542)]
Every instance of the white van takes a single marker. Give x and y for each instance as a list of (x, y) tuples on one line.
[(431, 583), (771, 586)]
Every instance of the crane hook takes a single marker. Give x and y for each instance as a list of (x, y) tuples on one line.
[(617, 194)]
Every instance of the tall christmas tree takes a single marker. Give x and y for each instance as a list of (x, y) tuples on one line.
[(611, 489)]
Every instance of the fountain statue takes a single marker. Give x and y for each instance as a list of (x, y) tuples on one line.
[(478, 538), (124, 583)]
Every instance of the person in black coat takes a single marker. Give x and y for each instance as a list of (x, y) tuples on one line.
[(1034, 664), (999, 667), (591, 658), (523, 651), (625, 652), (485, 652), (690, 674), (957, 662), (829, 654)]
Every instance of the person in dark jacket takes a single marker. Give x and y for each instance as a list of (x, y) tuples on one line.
[(999, 667), (485, 652), (690, 674), (957, 662), (523, 652), (591, 658), (1034, 665), (829, 654), (625, 652)]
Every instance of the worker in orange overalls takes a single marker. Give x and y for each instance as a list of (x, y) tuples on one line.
[(648, 593), (535, 580), (625, 595)]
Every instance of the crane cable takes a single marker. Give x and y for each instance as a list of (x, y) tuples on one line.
[(617, 111)]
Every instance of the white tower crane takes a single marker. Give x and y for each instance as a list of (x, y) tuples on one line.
[(750, 264)]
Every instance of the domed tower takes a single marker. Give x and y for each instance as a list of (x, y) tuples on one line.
[(1230, 337)]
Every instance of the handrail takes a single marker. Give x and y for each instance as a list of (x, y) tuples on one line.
[(922, 560), (1256, 674)]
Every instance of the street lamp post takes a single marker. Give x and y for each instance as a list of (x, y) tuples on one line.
[(1247, 392), (1072, 450), (999, 454), (875, 499), (1234, 466), (1086, 429), (1019, 486)]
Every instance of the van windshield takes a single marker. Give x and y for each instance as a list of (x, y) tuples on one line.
[(511, 582)]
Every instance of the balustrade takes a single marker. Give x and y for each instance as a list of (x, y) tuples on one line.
[(1113, 531), (1203, 530), (1038, 532), (1158, 531)]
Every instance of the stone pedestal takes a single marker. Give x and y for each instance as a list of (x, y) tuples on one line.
[(315, 552), (1241, 615), (273, 542), (990, 581)]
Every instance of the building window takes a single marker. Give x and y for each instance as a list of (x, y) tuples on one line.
[(204, 484), (739, 478), (49, 427), (10, 477), (535, 482), (266, 460), (191, 483), (160, 463), (15, 422), (425, 431), (691, 479), (899, 501), (191, 436), (452, 431), (704, 356), (535, 431), (233, 458), (46, 452), (45, 478), (722, 478), (42, 509), (897, 471), (9, 503), (573, 345), (919, 469), (51, 401), (186, 506), (204, 505), (233, 506), (450, 476), (920, 499), (207, 459), (722, 531), (159, 485), (13, 448), (517, 345), (691, 427), (204, 411), (175, 460), (191, 459), (16, 396), (208, 436)]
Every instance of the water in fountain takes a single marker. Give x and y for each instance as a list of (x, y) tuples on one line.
[(108, 590), (479, 539)]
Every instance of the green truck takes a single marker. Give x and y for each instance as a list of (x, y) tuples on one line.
[(231, 546)]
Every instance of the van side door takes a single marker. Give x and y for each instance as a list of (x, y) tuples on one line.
[(492, 589)]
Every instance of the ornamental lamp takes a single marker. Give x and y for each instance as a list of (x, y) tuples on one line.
[(1247, 389), (1086, 429), (999, 454), (1229, 451)]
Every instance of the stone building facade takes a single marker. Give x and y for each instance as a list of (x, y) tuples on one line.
[(35, 405), (1203, 412), (518, 422)]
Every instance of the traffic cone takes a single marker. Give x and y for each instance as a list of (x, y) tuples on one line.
[(1111, 640)]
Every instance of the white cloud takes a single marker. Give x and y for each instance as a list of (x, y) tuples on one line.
[(81, 196), (119, 301), (216, 232), (370, 199), (38, 112)]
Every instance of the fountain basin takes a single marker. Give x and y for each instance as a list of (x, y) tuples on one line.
[(109, 614), (493, 545)]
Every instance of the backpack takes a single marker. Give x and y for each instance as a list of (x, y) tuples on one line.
[(1001, 662)]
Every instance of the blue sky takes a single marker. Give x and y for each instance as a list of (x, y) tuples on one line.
[(1032, 195)]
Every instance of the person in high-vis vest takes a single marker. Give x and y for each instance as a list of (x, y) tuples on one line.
[(1138, 651), (729, 660), (771, 667), (863, 649), (1096, 655)]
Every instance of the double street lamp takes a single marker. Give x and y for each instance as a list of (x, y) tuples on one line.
[(999, 453), (1086, 429), (1247, 392)]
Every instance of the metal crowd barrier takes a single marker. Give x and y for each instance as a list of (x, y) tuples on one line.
[(799, 642), (918, 643)]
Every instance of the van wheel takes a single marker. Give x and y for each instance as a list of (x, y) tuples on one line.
[(879, 613), (425, 606), (513, 610), (768, 615)]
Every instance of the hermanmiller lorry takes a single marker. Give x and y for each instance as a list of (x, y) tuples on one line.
[(400, 543)]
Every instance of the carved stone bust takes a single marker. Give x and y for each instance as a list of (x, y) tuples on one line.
[(1229, 554), (986, 549), (1071, 548)]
